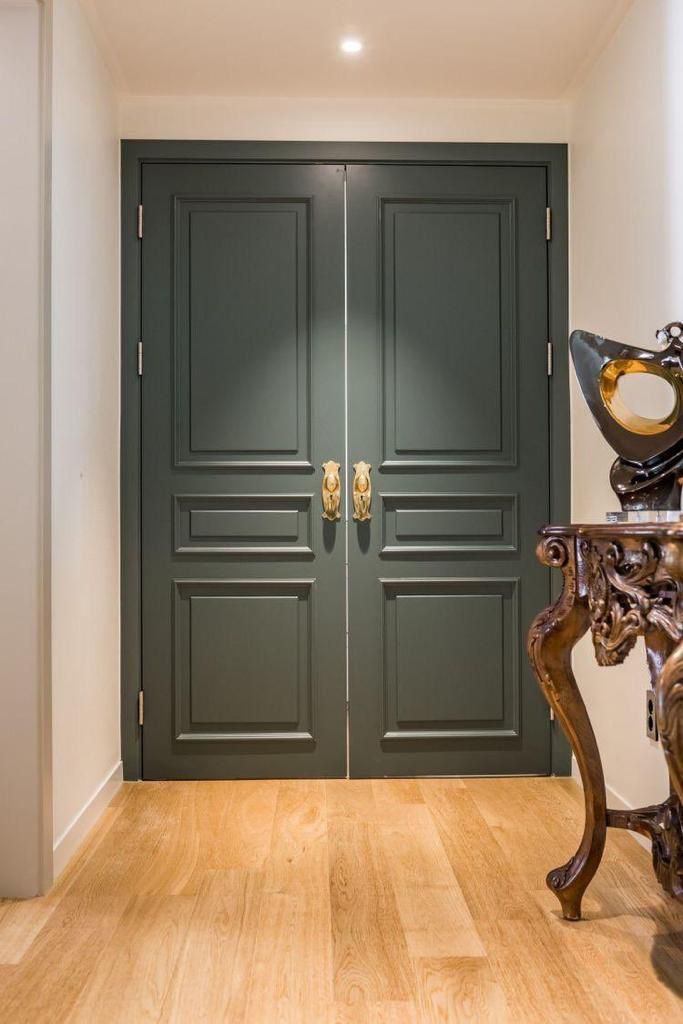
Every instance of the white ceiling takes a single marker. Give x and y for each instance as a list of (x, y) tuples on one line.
[(522, 49)]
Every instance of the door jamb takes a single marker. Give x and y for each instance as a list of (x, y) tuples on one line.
[(134, 155)]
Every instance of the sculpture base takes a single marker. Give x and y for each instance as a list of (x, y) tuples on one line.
[(646, 515), (649, 485)]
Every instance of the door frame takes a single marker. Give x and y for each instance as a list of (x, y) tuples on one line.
[(134, 155)]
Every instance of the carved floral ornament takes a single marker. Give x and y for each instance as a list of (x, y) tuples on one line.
[(632, 586)]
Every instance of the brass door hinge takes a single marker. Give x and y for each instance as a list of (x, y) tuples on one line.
[(140, 221), (139, 354), (549, 359), (141, 707), (548, 223)]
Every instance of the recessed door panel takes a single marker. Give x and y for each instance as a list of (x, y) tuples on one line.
[(243, 524), (242, 332), (450, 659), (446, 268), (243, 661), (448, 523)]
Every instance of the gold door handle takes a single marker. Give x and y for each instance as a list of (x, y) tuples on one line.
[(362, 492), (331, 491)]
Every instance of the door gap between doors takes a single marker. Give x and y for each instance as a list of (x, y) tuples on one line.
[(346, 479)]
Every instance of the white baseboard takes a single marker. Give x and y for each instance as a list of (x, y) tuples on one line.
[(613, 800), (73, 835)]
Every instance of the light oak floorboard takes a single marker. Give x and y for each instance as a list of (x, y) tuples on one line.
[(492, 886), (133, 974), (218, 948), (290, 979), (297, 857), (341, 902), (371, 960), (454, 989), (62, 959), (20, 922)]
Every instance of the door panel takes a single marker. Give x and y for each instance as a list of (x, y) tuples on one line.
[(444, 264), (260, 415), (242, 400), (447, 332)]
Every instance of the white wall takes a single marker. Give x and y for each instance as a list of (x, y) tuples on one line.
[(85, 430), (25, 833), (626, 280), (357, 120)]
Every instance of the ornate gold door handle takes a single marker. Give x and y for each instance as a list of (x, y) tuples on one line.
[(362, 492), (331, 491)]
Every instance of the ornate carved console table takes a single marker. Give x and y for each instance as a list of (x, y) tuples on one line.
[(622, 582)]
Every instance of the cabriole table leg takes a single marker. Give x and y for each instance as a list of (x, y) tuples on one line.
[(552, 637)]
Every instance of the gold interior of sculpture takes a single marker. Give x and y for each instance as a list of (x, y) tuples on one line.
[(610, 376)]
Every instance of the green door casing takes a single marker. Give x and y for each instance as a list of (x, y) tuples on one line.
[(256, 371)]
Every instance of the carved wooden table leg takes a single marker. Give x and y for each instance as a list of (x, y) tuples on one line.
[(627, 582), (669, 700), (552, 637)]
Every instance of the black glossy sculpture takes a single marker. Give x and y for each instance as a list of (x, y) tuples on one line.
[(649, 470)]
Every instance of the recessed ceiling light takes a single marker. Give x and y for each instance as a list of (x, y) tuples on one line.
[(351, 45)]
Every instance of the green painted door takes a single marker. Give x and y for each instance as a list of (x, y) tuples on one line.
[(256, 371), (243, 584), (448, 401)]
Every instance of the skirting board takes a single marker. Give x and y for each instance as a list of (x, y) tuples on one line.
[(71, 838), (615, 801)]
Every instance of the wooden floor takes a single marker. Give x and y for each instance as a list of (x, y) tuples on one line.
[(341, 903)]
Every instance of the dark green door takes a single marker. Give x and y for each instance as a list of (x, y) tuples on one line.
[(247, 365), (448, 401), (243, 584)]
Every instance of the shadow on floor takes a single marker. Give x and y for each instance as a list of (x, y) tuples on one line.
[(667, 950)]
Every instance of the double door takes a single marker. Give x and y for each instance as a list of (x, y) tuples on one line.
[(371, 315)]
